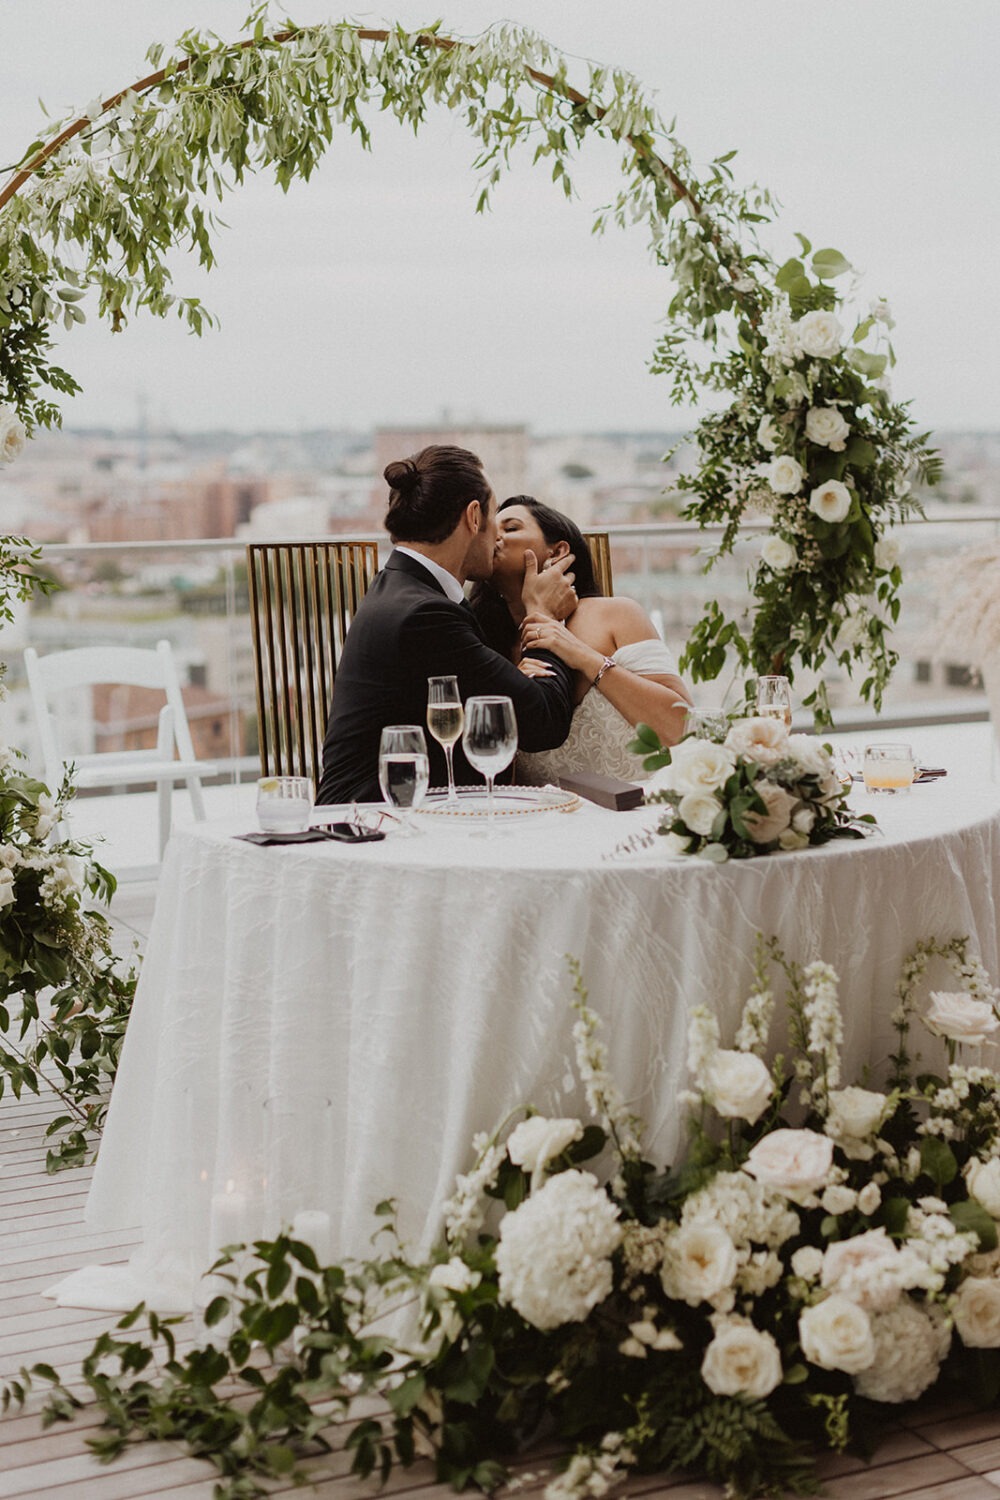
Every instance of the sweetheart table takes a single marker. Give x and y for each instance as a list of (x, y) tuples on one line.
[(321, 1026)]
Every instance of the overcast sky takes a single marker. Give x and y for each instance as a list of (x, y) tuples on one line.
[(376, 294)]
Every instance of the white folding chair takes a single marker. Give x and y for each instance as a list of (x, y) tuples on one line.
[(59, 671)]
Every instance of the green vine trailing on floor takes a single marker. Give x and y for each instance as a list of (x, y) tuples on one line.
[(821, 1252), (811, 436), (65, 998)]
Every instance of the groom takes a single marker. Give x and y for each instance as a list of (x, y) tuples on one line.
[(414, 623)]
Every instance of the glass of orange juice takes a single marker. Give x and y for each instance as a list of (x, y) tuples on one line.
[(889, 768)]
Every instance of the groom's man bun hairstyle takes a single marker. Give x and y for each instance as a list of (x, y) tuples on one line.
[(429, 491)]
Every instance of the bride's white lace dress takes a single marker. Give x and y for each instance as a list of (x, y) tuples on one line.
[(599, 735)]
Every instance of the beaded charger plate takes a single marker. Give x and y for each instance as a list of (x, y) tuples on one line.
[(508, 802)]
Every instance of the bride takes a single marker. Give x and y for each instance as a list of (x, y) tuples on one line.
[(625, 675)]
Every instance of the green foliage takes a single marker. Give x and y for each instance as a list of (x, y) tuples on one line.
[(65, 998)]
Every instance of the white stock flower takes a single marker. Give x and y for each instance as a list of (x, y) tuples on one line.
[(778, 554), (553, 1258), (12, 435), (741, 1361), (836, 1334), (701, 765), (976, 1311), (749, 1213), (886, 553), (826, 428), (451, 1276), (819, 335), (767, 433), (959, 1017), (784, 474), (983, 1179), (910, 1343), (763, 740), (739, 1085), (793, 1162), (454, 1276), (6, 887), (830, 501), (774, 823), (699, 1263), (699, 810), (538, 1140)]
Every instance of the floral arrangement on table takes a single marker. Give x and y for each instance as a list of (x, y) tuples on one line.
[(823, 1251), (753, 789), (65, 997), (967, 587)]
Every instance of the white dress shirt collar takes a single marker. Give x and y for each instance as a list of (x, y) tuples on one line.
[(447, 580)]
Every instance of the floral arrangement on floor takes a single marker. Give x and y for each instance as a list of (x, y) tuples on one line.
[(824, 1250), (753, 789), (65, 997), (967, 588)]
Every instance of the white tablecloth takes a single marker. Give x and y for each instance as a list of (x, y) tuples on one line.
[(318, 1027)]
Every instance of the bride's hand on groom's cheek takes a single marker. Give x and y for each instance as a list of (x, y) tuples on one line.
[(549, 590)]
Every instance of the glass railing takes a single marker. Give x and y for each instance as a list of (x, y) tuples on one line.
[(194, 594)]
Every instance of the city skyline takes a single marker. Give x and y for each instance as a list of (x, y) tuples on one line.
[(375, 295)]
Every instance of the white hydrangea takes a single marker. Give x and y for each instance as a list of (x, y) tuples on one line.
[(910, 1342), (554, 1254), (748, 1212)]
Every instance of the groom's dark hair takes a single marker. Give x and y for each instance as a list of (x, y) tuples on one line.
[(429, 492)]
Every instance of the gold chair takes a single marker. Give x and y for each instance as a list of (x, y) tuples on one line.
[(303, 596), (600, 550)]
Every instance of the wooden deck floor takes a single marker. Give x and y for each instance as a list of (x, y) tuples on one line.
[(938, 1453)]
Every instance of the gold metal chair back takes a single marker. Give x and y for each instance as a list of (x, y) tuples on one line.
[(303, 596), (600, 550)]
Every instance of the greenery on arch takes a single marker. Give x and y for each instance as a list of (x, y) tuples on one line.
[(810, 434)]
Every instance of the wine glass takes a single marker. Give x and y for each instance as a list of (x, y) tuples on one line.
[(445, 718), (489, 741), (774, 699), (402, 768)]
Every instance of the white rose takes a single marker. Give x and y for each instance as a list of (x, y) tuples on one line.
[(12, 435), (819, 335), (739, 1085), (855, 1112), (778, 554), (887, 553), (803, 820), (838, 1200), (807, 1262), (960, 1018), (699, 810), (983, 1179), (765, 827), (837, 1335), (701, 765), (810, 754), (793, 1162), (764, 740), (869, 1198), (866, 1268), (674, 845), (699, 1262), (826, 428), (792, 839), (741, 1361), (830, 501), (6, 887), (767, 433), (537, 1141), (784, 474), (977, 1312)]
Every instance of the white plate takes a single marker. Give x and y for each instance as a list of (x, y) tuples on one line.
[(508, 802)]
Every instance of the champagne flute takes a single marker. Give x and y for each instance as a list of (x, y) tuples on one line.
[(489, 741), (402, 768), (445, 718), (774, 699)]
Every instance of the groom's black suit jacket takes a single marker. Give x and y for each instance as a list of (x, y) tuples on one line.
[(406, 629)]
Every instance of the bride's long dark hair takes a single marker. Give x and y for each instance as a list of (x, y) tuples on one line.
[(489, 607)]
